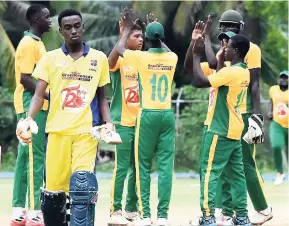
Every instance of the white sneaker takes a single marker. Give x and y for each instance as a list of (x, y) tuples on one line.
[(279, 178), (162, 222), (218, 212), (260, 217), (224, 221), (19, 216), (131, 216), (118, 219)]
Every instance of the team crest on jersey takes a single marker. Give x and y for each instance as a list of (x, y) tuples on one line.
[(93, 64), (282, 109), (74, 97), (131, 95)]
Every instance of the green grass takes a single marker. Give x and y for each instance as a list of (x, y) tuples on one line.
[(184, 204)]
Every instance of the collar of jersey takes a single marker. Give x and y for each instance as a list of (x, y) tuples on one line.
[(157, 50), (28, 33), (85, 50), (242, 65)]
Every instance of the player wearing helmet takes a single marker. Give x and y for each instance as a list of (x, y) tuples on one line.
[(232, 20)]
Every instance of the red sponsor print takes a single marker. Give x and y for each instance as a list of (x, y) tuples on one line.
[(74, 97)]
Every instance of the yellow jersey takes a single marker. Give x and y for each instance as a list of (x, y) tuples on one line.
[(253, 60), (156, 69), (280, 105), (28, 53), (230, 85), (125, 100), (73, 85)]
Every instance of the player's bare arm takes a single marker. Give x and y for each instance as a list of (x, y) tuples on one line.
[(255, 89), (221, 59), (211, 57), (29, 84), (37, 99), (126, 17), (103, 104)]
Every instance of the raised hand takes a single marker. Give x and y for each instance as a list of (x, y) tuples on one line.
[(126, 18), (199, 44), (150, 19), (198, 30), (208, 26)]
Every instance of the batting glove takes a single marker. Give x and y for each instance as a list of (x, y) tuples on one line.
[(255, 133), (106, 133), (24, 130)]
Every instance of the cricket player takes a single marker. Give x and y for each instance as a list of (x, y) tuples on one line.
[(124, 108), (30, 158), (155, 126), (76, 75), (278, 113), (222, 145), (231, 20)]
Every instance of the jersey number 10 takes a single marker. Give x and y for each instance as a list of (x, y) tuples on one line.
[(157, 84)]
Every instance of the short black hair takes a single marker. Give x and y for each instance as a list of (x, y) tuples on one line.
[(68, 12), (135, 27), (32, 10), (241, 43)]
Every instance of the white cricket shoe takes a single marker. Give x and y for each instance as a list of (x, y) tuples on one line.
[(218, 212), (117, 219), (131, 216), (224, 220), (260, 217), (162, 222), (279, 179), (19, 216)]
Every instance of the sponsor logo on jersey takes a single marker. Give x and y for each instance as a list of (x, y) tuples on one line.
[(93, 64), (131, 94), (76, 76), (74, 97), (282, 109), (160, 67)]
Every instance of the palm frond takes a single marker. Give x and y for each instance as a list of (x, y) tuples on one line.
[(7, 54)]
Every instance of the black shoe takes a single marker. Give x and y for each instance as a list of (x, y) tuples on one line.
[(207, 221), (241, 221)]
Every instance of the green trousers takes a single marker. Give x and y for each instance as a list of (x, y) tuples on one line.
[(219, 154), (254, 181), (29, 167), (155, 134), (279, 141), (124, 163)]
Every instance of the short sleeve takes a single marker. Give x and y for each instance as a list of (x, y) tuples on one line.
[(221, 78), (42, 69), (104, 77), (206, 69), (116, 66), (253, 57), (27, 58)]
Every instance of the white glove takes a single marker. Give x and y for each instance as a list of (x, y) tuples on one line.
[(255, 133), (24, 130), (106, 133)]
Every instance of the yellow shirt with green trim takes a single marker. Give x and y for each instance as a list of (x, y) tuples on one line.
[(28, 53), (125, 99), (156, 69), (230, 85), (253, 60), (73, 84), (280, 101)]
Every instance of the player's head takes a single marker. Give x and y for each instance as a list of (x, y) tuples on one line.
[(135, 39), (224, 37), (237, 48), (231, 20), (283, 81), (71, 26), (154, 34), (39, 16)]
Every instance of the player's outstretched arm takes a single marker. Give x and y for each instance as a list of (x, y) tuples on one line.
[(113, 56), (37, 99), (126, 17), (103, 104), (211, 57), (255, 89)]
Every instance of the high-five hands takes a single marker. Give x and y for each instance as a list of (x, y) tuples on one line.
[(197, 37)]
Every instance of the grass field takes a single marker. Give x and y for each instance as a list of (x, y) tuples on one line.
[(184, 205)]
